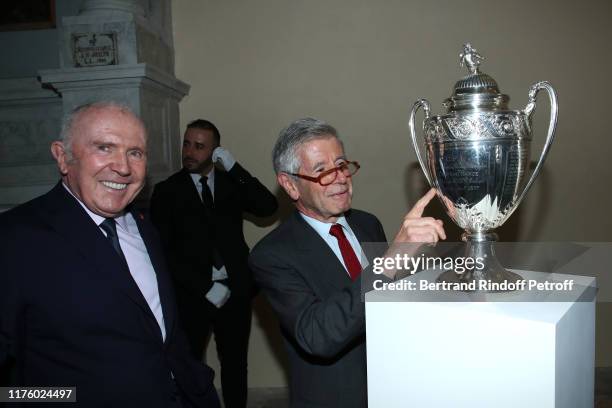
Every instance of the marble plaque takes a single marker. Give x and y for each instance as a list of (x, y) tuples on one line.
[(94, 49)]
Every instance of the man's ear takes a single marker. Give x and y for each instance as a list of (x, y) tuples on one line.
[(288, 184), (61, 157)]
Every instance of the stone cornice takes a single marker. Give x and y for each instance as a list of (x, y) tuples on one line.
[(14, 90), (67, 79)]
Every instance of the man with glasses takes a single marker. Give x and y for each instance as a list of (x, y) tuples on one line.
[(308, 267)]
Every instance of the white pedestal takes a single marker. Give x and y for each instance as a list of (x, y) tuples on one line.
[(481, 354)]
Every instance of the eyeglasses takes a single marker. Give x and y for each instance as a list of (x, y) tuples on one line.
[(348, 168)]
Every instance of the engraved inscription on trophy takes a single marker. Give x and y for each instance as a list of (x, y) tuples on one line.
[(460, 172), (94, 49), (515, 161)]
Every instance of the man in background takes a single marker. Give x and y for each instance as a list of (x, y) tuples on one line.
[(199, 214), (85, 297), (309, 266)]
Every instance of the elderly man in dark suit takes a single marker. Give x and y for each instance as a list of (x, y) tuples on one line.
[(85, 297), (199, 214), (308, 267)]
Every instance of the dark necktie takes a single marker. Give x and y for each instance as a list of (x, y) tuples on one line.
[(207, 200), (348, 254), (207, 197), (109, 226)]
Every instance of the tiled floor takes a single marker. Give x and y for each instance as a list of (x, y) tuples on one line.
[(278, 397)]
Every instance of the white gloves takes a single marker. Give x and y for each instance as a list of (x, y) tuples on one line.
[(223, 157), (218, 294)]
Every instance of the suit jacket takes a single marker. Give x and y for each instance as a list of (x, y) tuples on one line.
[(319, 308), (72, 315), (189, 232)]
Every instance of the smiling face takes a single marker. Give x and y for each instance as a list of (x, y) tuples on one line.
[(324, 203), (108, 164)]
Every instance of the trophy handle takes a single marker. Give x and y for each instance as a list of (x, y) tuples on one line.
[(552, 96), (425, 105)]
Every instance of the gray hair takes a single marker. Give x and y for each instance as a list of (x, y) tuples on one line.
[(66, 136), (284, 155)]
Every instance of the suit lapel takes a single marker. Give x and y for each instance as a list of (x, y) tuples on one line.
[(164, 286), (190, 192), (222, 188), (361, 234), (71, 221), (325, 265)]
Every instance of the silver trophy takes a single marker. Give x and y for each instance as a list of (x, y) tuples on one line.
[(477, 157)]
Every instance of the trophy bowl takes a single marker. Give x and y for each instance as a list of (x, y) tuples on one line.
[(477, 156)]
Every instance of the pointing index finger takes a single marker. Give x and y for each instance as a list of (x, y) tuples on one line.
[(417, 210)]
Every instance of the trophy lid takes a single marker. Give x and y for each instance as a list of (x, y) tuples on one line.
[(476, 90)]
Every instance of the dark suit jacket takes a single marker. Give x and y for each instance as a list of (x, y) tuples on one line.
[(188, 232), (320, 310), (72, 315)]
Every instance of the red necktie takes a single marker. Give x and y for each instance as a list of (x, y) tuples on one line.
[(348, 254)]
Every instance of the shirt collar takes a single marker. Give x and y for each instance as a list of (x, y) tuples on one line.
[(197, 176), (323, 227), (98, 219)]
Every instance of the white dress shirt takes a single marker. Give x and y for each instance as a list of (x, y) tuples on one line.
[(137, 258), (322, 228)]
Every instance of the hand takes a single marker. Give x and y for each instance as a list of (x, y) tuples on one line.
[(224, 158), (417, 228), (218, 294)]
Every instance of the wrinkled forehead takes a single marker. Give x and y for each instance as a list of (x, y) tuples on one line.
[(112, 120), (325, 149)]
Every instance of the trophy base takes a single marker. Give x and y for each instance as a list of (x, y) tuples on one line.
[(480, 247)]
